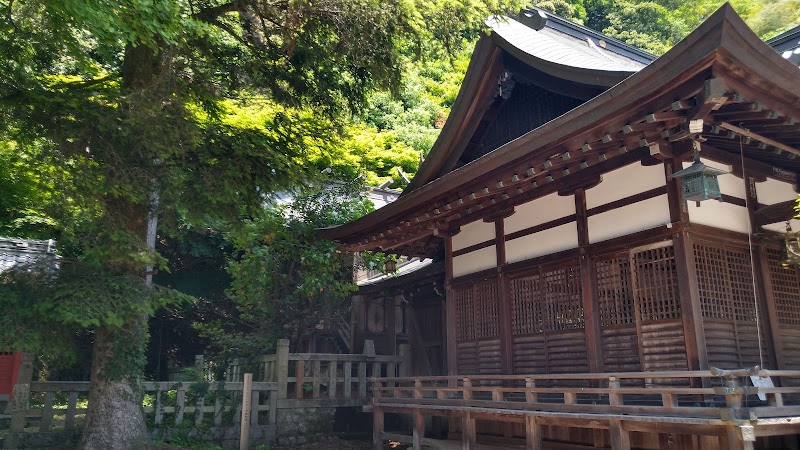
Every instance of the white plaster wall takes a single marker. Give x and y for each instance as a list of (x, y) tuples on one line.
[(774, 191), (473, 233), (721, 215), (624, 182), (539, 211), (629, 219), (563, 237), (476, 261), (780, 227)]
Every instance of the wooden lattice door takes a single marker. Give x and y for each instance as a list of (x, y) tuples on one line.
[(547, 320), (477, 322), (785, 283), (639, 310), (730, 311)]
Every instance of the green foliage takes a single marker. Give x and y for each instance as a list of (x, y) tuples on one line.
[(286, 278)]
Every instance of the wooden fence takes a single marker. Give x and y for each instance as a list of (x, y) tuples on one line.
[(318, 379), (63, 404), (282, 381)]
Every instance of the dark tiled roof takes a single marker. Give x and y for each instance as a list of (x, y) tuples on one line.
[(788, 45)]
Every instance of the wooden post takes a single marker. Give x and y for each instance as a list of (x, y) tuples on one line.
[(390, 307), (377, 427), (591, 322), (738, 438), (404, 353), (282, 356), (247, 390), (332, 379), (469, 438), (21, 394), (530, 397), (533, 434), (419, 429), (620, 438), (691, 312)]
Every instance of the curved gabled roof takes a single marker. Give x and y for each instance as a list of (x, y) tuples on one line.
[(762, 92), (553, 46)]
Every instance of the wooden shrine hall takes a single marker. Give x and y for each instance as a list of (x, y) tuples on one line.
[(591, 299)]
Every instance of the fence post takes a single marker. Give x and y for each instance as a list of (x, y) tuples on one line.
[(247, 390), (282, 356), (200, 366), (21, 394)]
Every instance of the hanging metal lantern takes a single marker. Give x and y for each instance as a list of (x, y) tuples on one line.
[(790, 247), (391, 266), (699, 181)]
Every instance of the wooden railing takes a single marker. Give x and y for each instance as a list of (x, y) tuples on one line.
[(707, 394), (718, 403), (61, 405)]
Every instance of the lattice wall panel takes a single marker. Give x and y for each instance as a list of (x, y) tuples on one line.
[(786, 297), (713, 282), (614, 294), (465, 321), (562, 299), (729, 307), (656, 284), (486, 307), (786, 290), (477, 311), (526, 305)]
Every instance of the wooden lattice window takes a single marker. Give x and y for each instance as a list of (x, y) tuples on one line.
[(614, 295), (526, 305), (725, 281), (465, 323), (785, 289), (477, 311), (712, 283), (562, 298), (487, 311), (656, 284)]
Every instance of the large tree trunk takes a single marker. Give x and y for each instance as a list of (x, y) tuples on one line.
[(115, 420)]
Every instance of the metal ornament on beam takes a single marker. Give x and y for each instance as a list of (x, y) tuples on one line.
[(699, 182)]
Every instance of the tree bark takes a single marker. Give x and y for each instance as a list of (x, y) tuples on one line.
[(115, 420)]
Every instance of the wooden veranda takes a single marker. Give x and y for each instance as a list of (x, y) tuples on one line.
[(697, 409)]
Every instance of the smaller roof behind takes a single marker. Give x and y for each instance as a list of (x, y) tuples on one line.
[(788, 45)]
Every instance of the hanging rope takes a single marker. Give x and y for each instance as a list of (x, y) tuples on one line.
[(752, 259)]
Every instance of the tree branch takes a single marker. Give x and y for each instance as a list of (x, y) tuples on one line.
[(210, 14)]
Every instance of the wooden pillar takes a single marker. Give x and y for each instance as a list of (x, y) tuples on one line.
[(691, 313), (377, 427), (469, 438), (591, 318), (419, 429), (450, 309), (358, 323), (533, 434), (282, 355), (504, 301), (390, 325), (737, 438), (620, 437)]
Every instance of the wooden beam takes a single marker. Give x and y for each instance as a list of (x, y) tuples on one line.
[(713, 97), (504, 300), (758, 137), (779, 212), (468, 432), (418, 429)]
